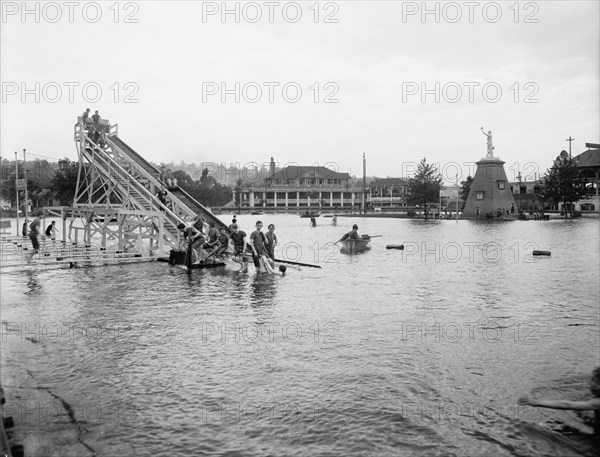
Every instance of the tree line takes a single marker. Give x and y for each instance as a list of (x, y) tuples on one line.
[(49, 183), (561, 184)]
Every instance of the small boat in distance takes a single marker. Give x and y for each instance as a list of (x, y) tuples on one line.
[(257, 212), (311, 214), (355, 246)]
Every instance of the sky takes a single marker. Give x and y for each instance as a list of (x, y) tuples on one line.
[(307, 83)]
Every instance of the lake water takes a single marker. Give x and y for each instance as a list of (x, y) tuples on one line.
[(421, 352)]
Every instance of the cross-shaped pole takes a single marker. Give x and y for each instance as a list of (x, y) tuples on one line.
[(570, 140)]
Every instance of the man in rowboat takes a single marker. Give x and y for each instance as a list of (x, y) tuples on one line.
[(352, 235)]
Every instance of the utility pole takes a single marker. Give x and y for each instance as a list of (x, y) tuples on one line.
[(570, 163), (457, 197), (17, 189), (25, 178), (570, 140)]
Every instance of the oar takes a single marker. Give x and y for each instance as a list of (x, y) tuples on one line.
[(297, 263), (210, 255), (374, 236)]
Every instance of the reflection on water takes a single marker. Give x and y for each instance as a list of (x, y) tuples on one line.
[(414, 352), (33, 285)]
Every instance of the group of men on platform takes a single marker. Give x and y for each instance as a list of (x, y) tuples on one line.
[(260, 245), (93, 125)]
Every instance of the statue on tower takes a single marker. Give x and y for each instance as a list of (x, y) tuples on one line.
[(490, 147)]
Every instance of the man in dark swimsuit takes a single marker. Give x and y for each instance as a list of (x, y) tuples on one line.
[(51, 231), (257, 243), (271, 241), (233, 221), (34, 232), (223, 243), (192, 237), (239, 238)]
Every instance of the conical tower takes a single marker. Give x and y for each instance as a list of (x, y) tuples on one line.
[(490, 191)]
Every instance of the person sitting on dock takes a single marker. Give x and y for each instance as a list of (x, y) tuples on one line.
[(240, 241), (211, 238), (352, 234), (334, 220), (200, 226), (591, 404), (222, 243)]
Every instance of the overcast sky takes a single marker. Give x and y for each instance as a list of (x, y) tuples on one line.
[(528, 71)]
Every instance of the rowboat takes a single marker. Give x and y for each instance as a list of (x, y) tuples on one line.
[(355, 246)]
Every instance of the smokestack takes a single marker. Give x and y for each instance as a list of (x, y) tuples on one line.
[(364, 199)]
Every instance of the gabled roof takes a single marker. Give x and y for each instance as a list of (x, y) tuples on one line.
[(295, 172), (387, 182), (589, 158)]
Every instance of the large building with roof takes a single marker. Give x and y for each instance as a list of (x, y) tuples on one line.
[(588, 163), (302, 187), (387, 193)]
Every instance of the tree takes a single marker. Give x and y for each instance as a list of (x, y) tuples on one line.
[(184, 181), (34, 193), (425, 186), (64, 183), (204, 176), (465, 189), (561, 183), (7, 191), (208, 193)]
